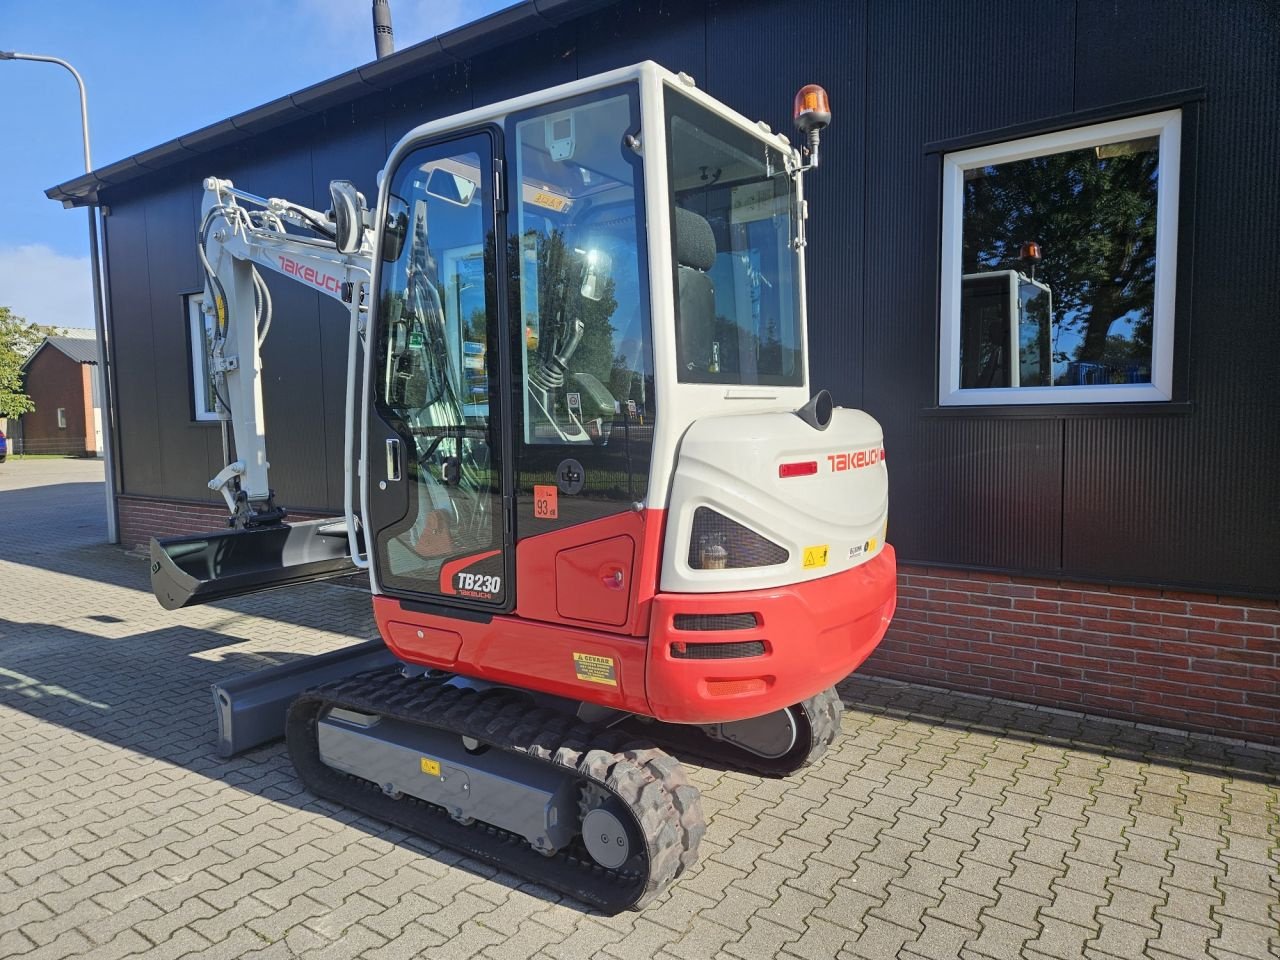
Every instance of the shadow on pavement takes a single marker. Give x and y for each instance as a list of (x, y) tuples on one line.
[(149, 693)]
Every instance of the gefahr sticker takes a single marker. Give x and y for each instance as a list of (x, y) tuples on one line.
[(595, 669)]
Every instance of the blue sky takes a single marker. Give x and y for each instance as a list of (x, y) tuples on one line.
[(154, 69)]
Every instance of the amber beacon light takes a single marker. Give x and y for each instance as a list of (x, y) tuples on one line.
[(812, 114)]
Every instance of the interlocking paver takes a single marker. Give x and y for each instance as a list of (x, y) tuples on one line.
[(938, 826)]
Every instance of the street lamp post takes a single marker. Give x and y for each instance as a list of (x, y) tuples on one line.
[(99, 323)]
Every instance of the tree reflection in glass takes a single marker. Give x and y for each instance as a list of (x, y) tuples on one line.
[(1087, 304)]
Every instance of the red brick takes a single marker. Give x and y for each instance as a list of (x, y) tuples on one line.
[(1055, 620), (1245, 629), (1216, 611), (1160, 605)]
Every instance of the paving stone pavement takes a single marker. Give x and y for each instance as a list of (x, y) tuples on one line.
[(940, 826)]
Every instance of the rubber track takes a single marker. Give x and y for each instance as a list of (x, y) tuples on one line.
[(650, 784), (817, 723)]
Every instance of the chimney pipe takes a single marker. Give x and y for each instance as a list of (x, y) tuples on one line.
[(384, 43)]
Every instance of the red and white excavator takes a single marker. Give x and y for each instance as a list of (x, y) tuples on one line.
[(603, 515)]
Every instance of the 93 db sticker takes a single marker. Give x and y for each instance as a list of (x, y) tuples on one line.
[(594, 669)]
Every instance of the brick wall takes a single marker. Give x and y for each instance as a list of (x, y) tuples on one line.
[(142, 518), (1188, 660)]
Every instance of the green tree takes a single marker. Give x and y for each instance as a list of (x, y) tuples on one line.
[(1094, 214), (18, 340)]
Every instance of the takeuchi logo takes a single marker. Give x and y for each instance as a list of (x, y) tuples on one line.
[(311, 275), (855, 460)]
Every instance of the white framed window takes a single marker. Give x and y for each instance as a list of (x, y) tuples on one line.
[(1058, 262), (204, 399), (62, 418)]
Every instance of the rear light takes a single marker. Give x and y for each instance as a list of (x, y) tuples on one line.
[(801, 468), (718, 543)]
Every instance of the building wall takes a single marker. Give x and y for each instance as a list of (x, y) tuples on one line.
[(53, 381), (1164, 499), (142, 518)]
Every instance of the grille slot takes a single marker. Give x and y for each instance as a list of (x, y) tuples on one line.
[(718, 543), (718, 651), (716, 621)]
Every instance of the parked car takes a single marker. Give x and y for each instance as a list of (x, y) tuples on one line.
[(4, 447)]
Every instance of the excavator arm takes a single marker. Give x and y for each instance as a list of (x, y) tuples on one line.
[(240, 233)]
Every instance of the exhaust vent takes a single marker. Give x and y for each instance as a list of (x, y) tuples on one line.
[(718, 543), (716, 621), (717, 651)]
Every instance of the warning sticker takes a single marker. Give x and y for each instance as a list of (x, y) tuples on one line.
[(815, 556), (595, 669), (550, 200), (546, 502), (429, 766)]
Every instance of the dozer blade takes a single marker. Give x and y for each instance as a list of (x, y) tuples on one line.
[(186, 571)]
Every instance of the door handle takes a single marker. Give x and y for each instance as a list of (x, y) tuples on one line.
[(393, 459)]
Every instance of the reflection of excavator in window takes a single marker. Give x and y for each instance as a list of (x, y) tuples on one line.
[(604, 516), (1006, 321)]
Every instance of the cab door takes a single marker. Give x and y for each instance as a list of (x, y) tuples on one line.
[(439, 475)]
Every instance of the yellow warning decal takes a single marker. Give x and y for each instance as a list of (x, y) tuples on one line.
[(550, 201), (430, 767), (595, 669), (871, 545), (815, 556)]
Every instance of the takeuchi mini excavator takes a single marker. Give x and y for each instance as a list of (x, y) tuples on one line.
[(603, 516)]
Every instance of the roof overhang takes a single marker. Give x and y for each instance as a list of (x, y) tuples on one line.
[(457, 46)]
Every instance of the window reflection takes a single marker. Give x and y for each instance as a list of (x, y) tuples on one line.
[(586, 363), (1081, 312)]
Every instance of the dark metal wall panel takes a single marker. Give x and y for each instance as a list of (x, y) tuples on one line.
[(758, 55), (1192, 499), (1163, 500), (133, 352), (173, 269), (674, 35), (419, 101), (544, 60), (979, 487), (977, 492)]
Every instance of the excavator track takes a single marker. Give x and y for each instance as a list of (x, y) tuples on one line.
[(817, 722), (663, 808)]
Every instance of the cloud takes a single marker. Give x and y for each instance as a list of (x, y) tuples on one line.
[(45, 286)]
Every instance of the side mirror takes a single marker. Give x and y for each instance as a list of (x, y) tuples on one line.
[(395, 229), (348, 215)]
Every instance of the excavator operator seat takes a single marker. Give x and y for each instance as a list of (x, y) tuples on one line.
[(696, 317)]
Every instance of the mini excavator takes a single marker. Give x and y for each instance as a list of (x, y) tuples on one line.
[(604, 519)]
